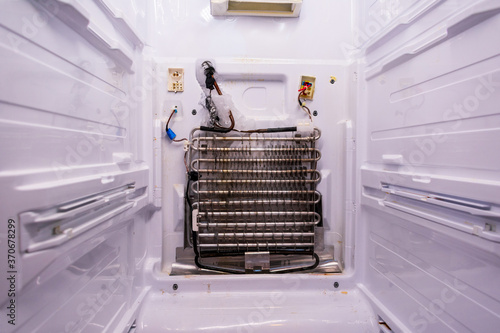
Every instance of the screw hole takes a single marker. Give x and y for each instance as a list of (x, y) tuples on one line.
[(175, 286), (194, 112), (315, 113), (336, 285)]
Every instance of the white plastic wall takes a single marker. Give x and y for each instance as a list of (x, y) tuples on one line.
[(73, 125), (428, 125)]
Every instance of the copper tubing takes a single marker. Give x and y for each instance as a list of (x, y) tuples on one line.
[(195, 163), (257, 202), (260, 181), (287, 213), (257, 245), (255, 224), (249, 137), (254, 192), (217, 87), (251, 192), (256, 234)]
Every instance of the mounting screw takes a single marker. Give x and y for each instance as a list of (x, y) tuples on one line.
[(193, 112), (315, 113), (336, 285), (175, 286)]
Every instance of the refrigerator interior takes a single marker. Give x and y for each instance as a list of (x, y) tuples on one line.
[(96, 230)]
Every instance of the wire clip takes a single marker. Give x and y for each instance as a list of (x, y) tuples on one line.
[(305, 126), (186, 145)]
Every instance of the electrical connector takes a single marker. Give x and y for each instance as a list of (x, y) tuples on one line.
[(171, 135), (307, 87), (175, 79)]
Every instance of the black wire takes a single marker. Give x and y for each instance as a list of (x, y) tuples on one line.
[(237, 271), (166, 128), (271, 130), (219, 128), (209, 71), (261, 130), (192, 176), (202, 266), (168, 121)]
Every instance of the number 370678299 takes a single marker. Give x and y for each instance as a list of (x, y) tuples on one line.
[(11, 244)]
